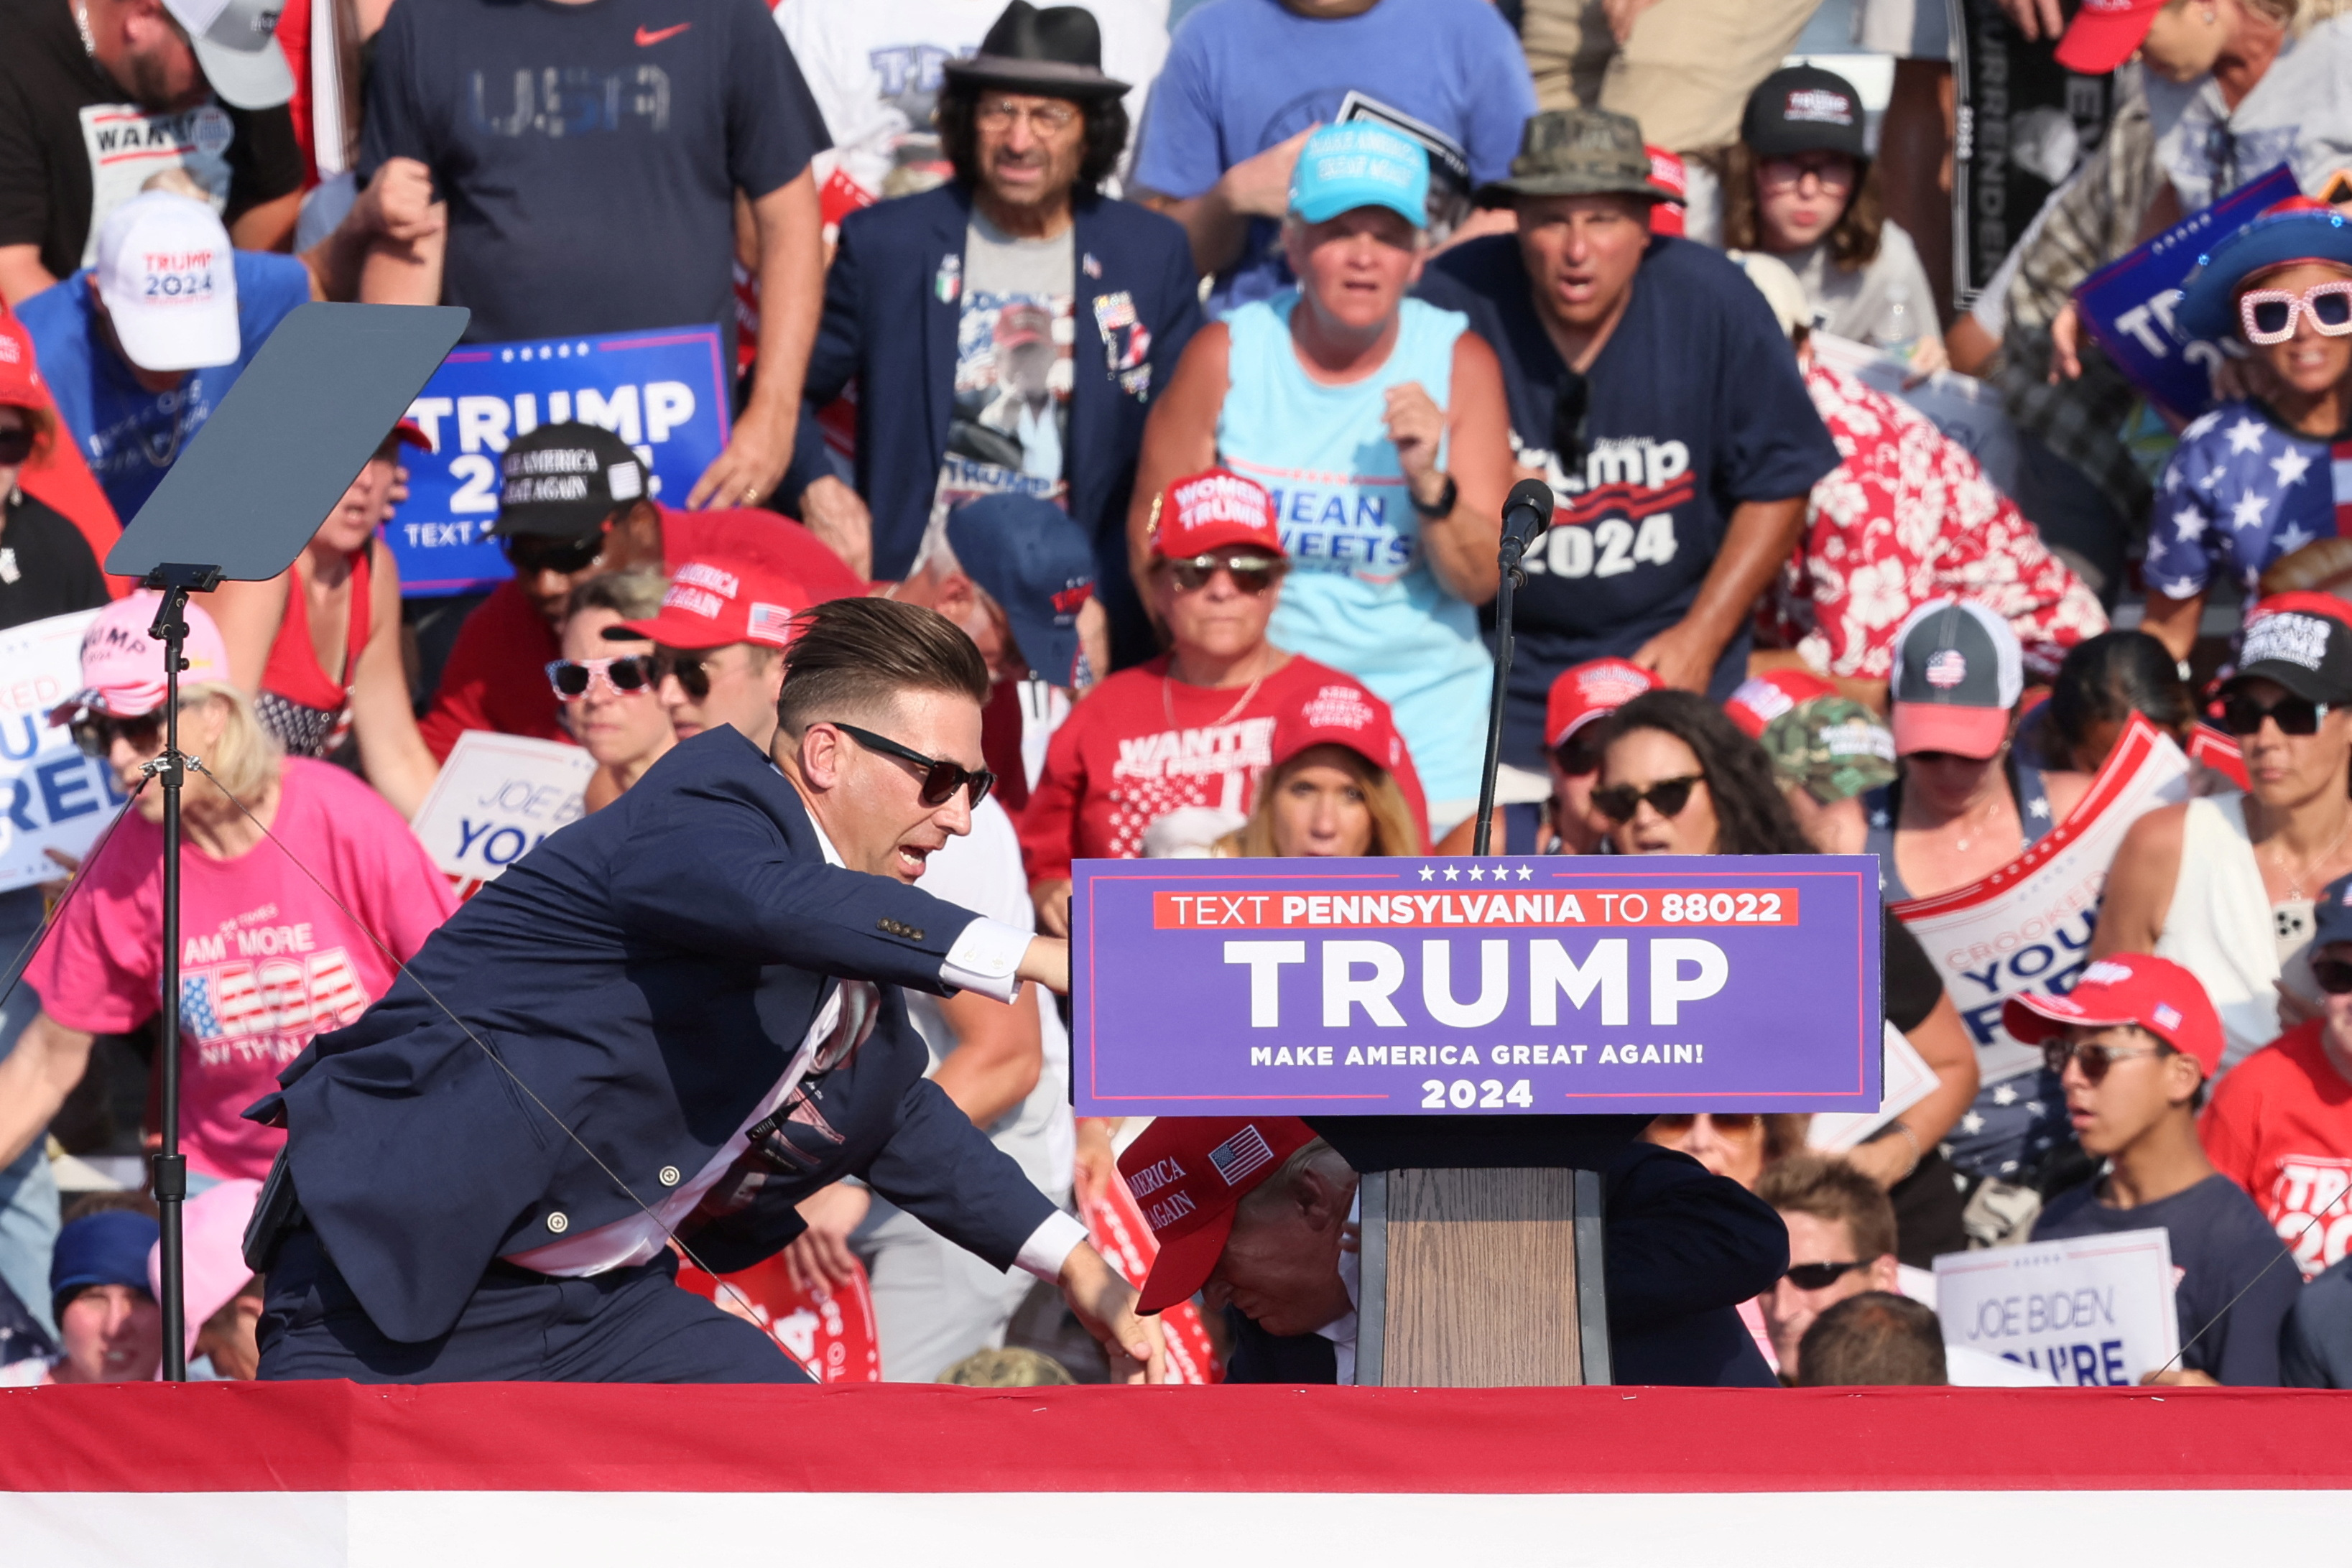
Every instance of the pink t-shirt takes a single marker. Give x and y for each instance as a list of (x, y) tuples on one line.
[(266, 959)]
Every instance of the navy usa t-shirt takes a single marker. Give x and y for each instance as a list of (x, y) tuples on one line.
[(590, 153), (1695, 406)]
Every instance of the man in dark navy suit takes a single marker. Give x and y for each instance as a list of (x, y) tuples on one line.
[(670, 1022), (1007, 332)]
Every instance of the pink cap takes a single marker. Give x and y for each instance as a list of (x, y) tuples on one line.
[(212, 1224), (122, 666)]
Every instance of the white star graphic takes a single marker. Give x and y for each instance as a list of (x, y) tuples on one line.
[(2171, 480), (2248, 511), (2200, 424), (2293, 539), (2035, 1107), (1427, 874), (2246, 435), (2179, 588), (1476, 875), (2290, 466), (1879, 819), (1527, 873), (2189, 522), (2220, 473), (1452, 874), (2037, 807), (1972, 1123), (2003, 1094)]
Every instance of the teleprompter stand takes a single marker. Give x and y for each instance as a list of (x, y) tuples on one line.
[(1481, 1254), (241, 503)]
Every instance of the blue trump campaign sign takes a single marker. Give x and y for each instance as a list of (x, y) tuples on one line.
[(2128, 304), (1390, 987), (663, 391)]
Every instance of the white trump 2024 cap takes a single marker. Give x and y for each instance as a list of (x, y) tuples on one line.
[(165, 273)]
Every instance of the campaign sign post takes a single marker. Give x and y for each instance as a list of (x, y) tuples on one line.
[(497, 796), (51, 796), (2128, 303), (2094, 1312), (1459, 987), (665, 392)]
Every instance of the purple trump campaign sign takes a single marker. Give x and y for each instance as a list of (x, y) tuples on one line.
[(1386, 987), (2128, 304), (663, 391)]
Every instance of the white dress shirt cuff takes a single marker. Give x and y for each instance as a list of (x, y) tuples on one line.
[(1050, 1245), (984, 957)]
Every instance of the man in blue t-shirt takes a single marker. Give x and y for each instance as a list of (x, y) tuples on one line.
[(1247, 80), (1682, 488), (141, 347), (2136, 1043)]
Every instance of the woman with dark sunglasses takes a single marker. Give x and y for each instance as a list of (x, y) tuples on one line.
[(2224, 884), (1679, 778), (2246, 490), (1576, 729), (610, 688)]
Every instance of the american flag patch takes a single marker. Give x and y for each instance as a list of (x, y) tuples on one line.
[(1241, 1156), (1946, 668), (769, 623)]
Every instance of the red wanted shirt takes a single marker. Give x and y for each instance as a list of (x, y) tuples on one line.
[(2280, 1125), (1140, 746), (496, 678)]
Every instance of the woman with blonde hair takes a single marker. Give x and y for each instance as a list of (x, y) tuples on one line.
[(300, 893), (1333, 789), (611, 686)]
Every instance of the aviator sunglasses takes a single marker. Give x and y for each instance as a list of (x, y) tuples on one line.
[(2268, 314), (2094, 1059), (1251, 573), (940, 780), (530, 554), (1667, 796)]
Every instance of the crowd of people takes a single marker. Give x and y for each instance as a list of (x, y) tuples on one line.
[(1179, 358)]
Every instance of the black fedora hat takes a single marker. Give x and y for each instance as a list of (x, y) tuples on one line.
[(1055, 52)]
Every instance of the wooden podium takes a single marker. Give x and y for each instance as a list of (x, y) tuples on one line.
[(1482, 1260)]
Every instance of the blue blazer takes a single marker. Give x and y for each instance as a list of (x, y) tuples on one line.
[(890, 323), (646, 975)]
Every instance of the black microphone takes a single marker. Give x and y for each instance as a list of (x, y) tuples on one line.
[(1526, 515)]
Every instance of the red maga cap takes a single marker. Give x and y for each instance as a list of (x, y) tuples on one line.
[(2155, 993), (1761, 699), (714, 601), (2105, 33), (1340, 714), (20, 379), (1591, 690), (1211, 511), (1189, 1174)]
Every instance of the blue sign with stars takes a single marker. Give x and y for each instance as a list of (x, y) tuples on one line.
[(1543, 985)]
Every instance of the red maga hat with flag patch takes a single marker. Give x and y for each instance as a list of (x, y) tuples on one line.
[(714, 601), (1189, 1174), (2155, 993)]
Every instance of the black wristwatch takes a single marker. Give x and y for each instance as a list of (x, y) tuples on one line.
[(1445, 499)]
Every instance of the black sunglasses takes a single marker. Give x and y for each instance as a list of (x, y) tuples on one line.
[(1251, 573), (2094, 1059), (96, 733), (1581, 753), (632, 673), (530, 554), (1618, 802), (1571, 397), (2334, 975), (940, 780), (15, 444), (1820, 1276), (2242, 715)]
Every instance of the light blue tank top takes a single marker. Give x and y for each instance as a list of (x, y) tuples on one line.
[(1360, 597)]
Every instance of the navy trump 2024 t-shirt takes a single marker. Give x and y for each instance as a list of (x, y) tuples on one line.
[(1695, 406), (590, 153)]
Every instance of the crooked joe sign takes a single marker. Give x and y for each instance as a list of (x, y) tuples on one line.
[(1504, 986)]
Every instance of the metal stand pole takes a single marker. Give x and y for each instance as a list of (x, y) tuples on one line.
[(1513, 548), (170, 1168)]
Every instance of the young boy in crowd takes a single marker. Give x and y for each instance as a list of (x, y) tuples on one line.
[(2133, 1044)]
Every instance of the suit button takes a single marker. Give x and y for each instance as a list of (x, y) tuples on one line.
[(669, 1177), (559, 1222)]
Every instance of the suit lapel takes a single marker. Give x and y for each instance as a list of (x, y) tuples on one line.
[(942, 310)]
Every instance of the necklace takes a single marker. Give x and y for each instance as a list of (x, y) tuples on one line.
[(2294, 876), (1168, 700)]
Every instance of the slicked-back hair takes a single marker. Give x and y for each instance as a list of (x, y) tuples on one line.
[(1876, 1339), (1751, 815), (1831, 1190), (854, 658)]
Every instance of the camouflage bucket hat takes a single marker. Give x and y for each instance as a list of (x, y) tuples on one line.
[(1835, 748), (1578, 153)]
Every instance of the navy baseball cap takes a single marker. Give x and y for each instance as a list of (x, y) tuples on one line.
[(2331, 920), (2298, 229), (108, 1247), (1027, 555)]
